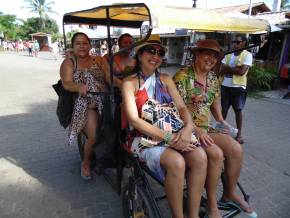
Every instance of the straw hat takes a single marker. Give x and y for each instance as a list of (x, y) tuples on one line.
[(153, 39), (208, 44)]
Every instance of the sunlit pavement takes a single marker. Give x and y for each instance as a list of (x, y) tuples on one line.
[(39, 173)]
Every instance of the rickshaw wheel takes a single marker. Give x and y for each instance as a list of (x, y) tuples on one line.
[(136, 201)]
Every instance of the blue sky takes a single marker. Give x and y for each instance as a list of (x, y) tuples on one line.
[(63, 6)]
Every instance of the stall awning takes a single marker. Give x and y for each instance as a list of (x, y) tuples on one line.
[(41, 34), (204, 20)]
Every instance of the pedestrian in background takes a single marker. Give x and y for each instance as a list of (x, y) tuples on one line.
[(234, 70), (35, 48), (55, 48)]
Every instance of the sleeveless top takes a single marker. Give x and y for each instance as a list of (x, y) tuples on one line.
[(94, 78), (155, 106)]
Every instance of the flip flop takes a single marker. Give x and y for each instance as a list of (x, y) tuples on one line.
[(85, 177), (206, 215), (252, 214), (240, 139)]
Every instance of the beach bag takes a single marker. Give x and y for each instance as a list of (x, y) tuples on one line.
[(65, 104), (165, 116)]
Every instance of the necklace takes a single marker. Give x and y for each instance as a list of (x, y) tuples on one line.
[(203, 86)]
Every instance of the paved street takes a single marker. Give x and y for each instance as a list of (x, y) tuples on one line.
[(40, 173)]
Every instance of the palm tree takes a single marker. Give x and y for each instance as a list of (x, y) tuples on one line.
[(42, 8), (285, 4)]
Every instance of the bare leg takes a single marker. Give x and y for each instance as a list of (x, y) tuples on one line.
[(174, 164), (225, 113), (196, 163), (239, 121), (90, 129), (214, 166), (225, 101), (233, 153)]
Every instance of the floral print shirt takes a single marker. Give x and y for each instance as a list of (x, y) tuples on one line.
[(197, 97)]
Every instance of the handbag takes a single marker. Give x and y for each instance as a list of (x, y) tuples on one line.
[(164, 116), (65, 104)]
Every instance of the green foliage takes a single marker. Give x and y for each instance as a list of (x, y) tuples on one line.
[(56, 36), (285, 4), (69, 36), (42, 8), (33, 25), (15, 29), (260, 78), (8, 26)]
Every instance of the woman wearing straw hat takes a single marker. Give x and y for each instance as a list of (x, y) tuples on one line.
[(164, 138), (200, 89)]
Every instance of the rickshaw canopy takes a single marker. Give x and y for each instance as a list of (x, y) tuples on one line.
[(120, 15), (134, 15), (204, 20)]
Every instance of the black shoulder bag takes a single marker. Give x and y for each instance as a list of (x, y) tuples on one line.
[(65, 103)]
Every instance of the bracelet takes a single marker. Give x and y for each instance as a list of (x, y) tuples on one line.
[(167, 137)]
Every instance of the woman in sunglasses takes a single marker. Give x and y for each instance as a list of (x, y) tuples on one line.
[(200, 89), (164, 129)]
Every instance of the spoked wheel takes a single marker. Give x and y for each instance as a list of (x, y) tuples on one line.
[(136, 202)]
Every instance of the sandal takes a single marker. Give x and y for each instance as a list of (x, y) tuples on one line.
[(240, 139), (252, 214), (85, 173)]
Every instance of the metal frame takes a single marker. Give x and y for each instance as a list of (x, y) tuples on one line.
[(68, 18)]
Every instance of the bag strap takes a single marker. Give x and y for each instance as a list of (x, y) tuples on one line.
[(74, 62)]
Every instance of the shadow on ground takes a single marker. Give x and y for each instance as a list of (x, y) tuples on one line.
[(41, 172)]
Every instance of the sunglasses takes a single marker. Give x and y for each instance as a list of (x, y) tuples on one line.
[(237, 41), (207, 52), (155, 51)]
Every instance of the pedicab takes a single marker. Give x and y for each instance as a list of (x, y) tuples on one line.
[(138, 198)]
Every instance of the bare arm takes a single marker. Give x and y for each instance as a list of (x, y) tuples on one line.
[(182, 140), (128, 93), (217, 114), (238, 70), (215, 109), (66, 75), (106, 69), (182, 109)]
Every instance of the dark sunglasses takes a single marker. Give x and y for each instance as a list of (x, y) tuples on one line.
[(155, 51), (208, 52), (237, 41)]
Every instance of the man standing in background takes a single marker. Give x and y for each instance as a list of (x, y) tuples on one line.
[(233, 90)]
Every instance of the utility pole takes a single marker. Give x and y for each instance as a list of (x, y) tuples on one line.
[(276, 5), (250, 9)]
